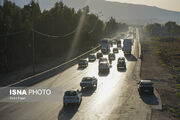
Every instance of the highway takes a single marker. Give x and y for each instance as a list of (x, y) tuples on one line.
[(116, 96)]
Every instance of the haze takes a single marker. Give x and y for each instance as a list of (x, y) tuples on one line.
[(173, 5)]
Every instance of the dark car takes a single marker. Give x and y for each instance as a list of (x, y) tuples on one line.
[(99, 55), (145, 86), (92, 58), (88, 82), (111, 43), (119, 43), (83, 63), (121, 64), (111, 56), (103, 60), (115, 50), (72, 96)]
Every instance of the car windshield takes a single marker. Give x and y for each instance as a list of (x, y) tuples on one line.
[(91, 56), (87, 79), (103, 59), (81, 61), (70, 93), (146, 83)]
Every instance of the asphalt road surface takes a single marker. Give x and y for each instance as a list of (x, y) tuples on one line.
[(116, 96)]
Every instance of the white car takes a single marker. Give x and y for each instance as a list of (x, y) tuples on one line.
[(72, 96)]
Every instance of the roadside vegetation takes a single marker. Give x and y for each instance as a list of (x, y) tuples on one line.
[(50, 32), (166, 40)]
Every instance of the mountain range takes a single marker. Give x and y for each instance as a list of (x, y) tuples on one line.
[(129, 13)]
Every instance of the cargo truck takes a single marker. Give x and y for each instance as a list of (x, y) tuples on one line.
[(127, 46)]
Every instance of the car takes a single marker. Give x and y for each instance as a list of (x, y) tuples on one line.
[(121, 64), (103, 65), (115, 50), (88, 82), (111, 56), (105, 50), (72, 96), (99, 55), (114, 41), (145, 86), (119, 43), (104, 68), (82, 63), (121, 59), (111, 43), (103, 60), (92, 58)]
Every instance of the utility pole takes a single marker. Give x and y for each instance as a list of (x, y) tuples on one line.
[(33, 41)]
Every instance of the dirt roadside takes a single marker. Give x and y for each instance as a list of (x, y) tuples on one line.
[(162, 79)]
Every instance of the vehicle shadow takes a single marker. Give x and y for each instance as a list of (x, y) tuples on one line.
[(103, 74), (67, 113), (121, 70), (131, 58), (88, 91), (149, 99), (81, 68)]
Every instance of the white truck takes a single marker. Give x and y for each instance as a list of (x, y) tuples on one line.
[(127, 46), (105, 46)]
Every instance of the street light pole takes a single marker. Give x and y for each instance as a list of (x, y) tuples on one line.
[(33, 41)]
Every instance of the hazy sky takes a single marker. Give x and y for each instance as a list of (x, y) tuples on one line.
[(173, 5), (165, 4)]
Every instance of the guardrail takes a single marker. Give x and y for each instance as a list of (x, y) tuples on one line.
[(50, 72)]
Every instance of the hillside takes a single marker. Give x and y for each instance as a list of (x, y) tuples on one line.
[(130, 13)]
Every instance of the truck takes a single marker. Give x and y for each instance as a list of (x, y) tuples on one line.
[(105, 46), (127, 46)]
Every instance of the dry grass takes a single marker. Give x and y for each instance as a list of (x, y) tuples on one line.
[(161, 63)]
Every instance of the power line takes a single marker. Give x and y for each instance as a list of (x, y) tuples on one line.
[(12, 34), (55, 36)]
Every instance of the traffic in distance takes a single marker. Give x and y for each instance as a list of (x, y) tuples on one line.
[(105, 57)]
